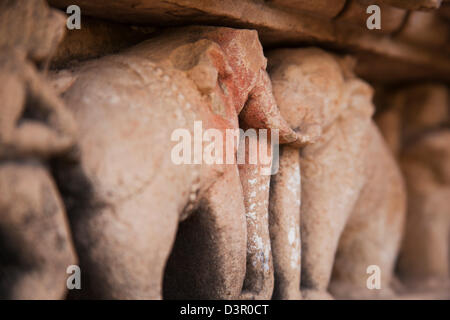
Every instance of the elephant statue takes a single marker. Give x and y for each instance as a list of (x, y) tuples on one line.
[(35, 127), (337, 204), (127, 197), (416, 124)]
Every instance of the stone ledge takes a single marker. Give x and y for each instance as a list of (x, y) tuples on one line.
[(396, 57)]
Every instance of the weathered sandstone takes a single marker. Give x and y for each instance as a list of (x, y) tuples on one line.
[(352, 196)]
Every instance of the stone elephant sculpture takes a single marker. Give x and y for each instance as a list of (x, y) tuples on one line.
[(127, 197), (35, 242), (337, 204), (416, 124)]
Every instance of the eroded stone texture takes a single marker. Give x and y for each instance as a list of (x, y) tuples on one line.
[(127, 195), (416, 124), (259, 275), (35, 244), (352, 194), (284, 225)]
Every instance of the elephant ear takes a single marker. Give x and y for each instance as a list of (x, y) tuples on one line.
[(357, 98), (204, 63), (357, 94)]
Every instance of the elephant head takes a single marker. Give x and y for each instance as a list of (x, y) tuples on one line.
[(330, 109), (314, 88), (229, 68)]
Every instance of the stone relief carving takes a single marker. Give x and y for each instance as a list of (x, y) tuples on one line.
[(416, 124), (350, 205), (126, 193), (36, 246), (86, 156)]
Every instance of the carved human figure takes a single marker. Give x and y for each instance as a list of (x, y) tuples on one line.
[(416, 123), (342, 191), (35, 243), (127, 196)]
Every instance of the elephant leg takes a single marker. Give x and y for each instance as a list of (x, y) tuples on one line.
[(255, 180), (35, 243), (208, 259), (285, 225), (424, 259), (370, 242), (320, 232), (330, 189), (124, 246)]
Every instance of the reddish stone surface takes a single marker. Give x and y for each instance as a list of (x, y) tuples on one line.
[(93, 141), (127, 106)]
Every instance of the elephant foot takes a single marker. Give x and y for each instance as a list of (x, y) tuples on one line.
[(290, 295), (246, 295), (312, 294), (249, 295)]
